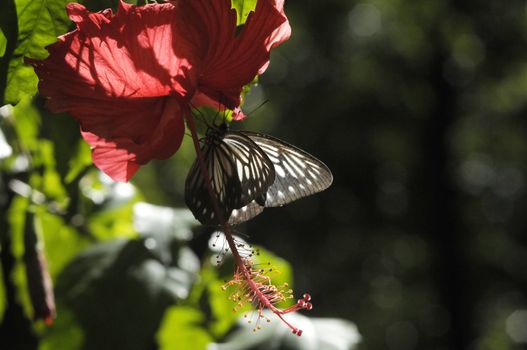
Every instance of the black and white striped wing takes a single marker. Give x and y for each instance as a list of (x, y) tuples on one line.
[(245, 213), (240, 172), (297, 173), (253, 167), (224, 183)]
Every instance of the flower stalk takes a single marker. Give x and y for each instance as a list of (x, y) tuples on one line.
[(253, 286)]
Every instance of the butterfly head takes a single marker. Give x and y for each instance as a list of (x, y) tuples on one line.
[(215, 133)]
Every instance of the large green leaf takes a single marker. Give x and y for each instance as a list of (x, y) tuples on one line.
[(182, 329), (39, 24), (119, 290)]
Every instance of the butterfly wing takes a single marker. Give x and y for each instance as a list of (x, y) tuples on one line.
[(254, 169), (245, 213), (298, 174), (240, 172), (224, 183)]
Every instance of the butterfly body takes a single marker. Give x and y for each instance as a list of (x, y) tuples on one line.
[(249, 171)]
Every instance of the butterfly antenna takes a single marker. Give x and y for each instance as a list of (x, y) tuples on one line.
[(248, 114), (200, 115)]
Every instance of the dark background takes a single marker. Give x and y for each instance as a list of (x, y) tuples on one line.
[(418, 108)]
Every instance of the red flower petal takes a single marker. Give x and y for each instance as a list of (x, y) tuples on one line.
[(231, 61), (113, 74), (113, 159), (136, 53), (120, 156)]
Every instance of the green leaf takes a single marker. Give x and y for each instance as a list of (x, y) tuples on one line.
[(27, 122), (81, 160), (39, 24), (282, 272), (64, 333), (42, 155), (57, 235), (113, 222), (119, 290), (222, 315), (182, 328), (17, 221), (209, 289), (48, 180), (243, 8), (3, 43), (108, 206)]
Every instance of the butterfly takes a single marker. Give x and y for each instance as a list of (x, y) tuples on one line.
[(249, 171)]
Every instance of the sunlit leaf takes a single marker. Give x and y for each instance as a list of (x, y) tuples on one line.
[(39, 24), (79, 162), (48, 179), (27, 122), (282, 272), (113, 223), (3, 43), (243, 8), (222, 317), (183, 328), (109, 206), (57, 235)]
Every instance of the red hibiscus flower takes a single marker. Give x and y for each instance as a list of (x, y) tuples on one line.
[(130, 78)]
